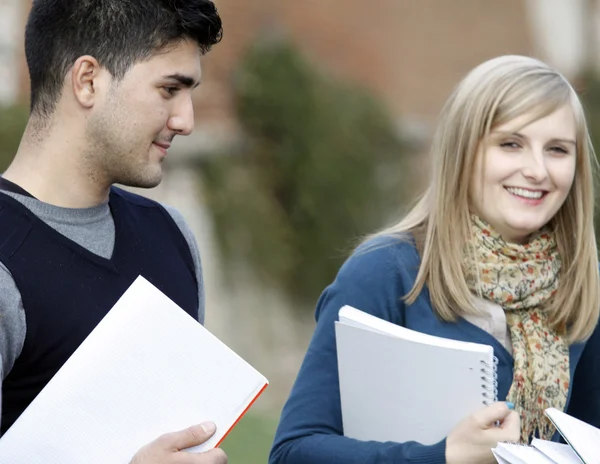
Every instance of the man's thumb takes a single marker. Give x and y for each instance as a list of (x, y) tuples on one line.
[(192, 436)]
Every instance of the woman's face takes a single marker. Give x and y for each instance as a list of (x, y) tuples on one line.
[(523, 175)]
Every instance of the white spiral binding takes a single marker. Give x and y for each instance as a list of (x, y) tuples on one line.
[(490, 382)]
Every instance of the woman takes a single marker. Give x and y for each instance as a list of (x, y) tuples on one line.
[(500, 250)]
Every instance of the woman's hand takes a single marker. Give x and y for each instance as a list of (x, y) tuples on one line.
[(471, 441)]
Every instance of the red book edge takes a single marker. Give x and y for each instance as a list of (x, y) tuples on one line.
[(242, 414)]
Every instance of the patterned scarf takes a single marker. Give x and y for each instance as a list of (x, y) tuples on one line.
[(522, 279)]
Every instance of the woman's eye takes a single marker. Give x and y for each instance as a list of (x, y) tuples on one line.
[(559, 150), (510, 145)]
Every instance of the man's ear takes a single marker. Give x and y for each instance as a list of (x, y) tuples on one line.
[(84, 79)]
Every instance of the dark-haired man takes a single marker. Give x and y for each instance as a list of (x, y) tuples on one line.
[(111, 86)]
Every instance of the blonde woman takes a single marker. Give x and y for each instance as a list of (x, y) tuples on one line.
[(500, 250)]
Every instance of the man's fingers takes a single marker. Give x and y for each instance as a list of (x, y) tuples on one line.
[(192, 436), (214, 456)]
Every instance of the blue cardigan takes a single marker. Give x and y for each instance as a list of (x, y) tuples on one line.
[(310, 430)]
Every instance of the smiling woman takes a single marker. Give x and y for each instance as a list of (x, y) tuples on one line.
[(500, 250)]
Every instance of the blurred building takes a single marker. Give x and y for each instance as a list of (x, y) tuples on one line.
[(11, 29), (410, 53)]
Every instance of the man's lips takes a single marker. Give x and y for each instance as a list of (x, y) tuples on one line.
[(163, 145)]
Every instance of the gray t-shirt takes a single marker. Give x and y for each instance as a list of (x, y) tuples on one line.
[(92, 228)]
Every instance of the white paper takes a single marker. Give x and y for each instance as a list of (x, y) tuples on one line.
[(520, 454), (147, 369), (583, 438), (558, 452), (500, 459)]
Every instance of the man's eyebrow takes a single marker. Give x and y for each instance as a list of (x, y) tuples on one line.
[(186, 81)]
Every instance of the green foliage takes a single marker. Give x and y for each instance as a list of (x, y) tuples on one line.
[(319, 166), (250, 441), (590, 96), (13, 120)]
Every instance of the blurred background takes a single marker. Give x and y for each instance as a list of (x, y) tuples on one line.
[(313, 122)]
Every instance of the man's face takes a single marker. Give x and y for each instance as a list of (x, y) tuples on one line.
[(130, 131)]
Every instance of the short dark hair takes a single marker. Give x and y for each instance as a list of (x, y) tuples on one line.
[(118, 33)]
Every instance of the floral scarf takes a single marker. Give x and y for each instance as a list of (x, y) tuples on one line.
[(522, 279)]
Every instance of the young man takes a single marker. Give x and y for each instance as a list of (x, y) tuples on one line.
[(111, 86)]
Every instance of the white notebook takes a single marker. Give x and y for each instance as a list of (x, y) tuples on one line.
[(583, 438), (583, 444), (147, 369), (511, 453), (398, 385), (539, 452)]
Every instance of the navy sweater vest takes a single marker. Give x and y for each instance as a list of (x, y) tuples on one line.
[(67, 290)]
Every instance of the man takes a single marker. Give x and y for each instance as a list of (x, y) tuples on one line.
[(111, 86)]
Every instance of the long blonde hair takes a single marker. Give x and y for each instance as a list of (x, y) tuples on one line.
[(492, 94)]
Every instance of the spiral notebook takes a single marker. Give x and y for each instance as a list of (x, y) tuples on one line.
[(398, 384)]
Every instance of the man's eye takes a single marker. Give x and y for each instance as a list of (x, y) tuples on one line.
[(171, 90)]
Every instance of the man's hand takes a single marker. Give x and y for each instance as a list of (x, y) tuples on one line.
[(167, 449)]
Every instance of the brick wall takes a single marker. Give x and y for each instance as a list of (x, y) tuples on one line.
[(409, 52)]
